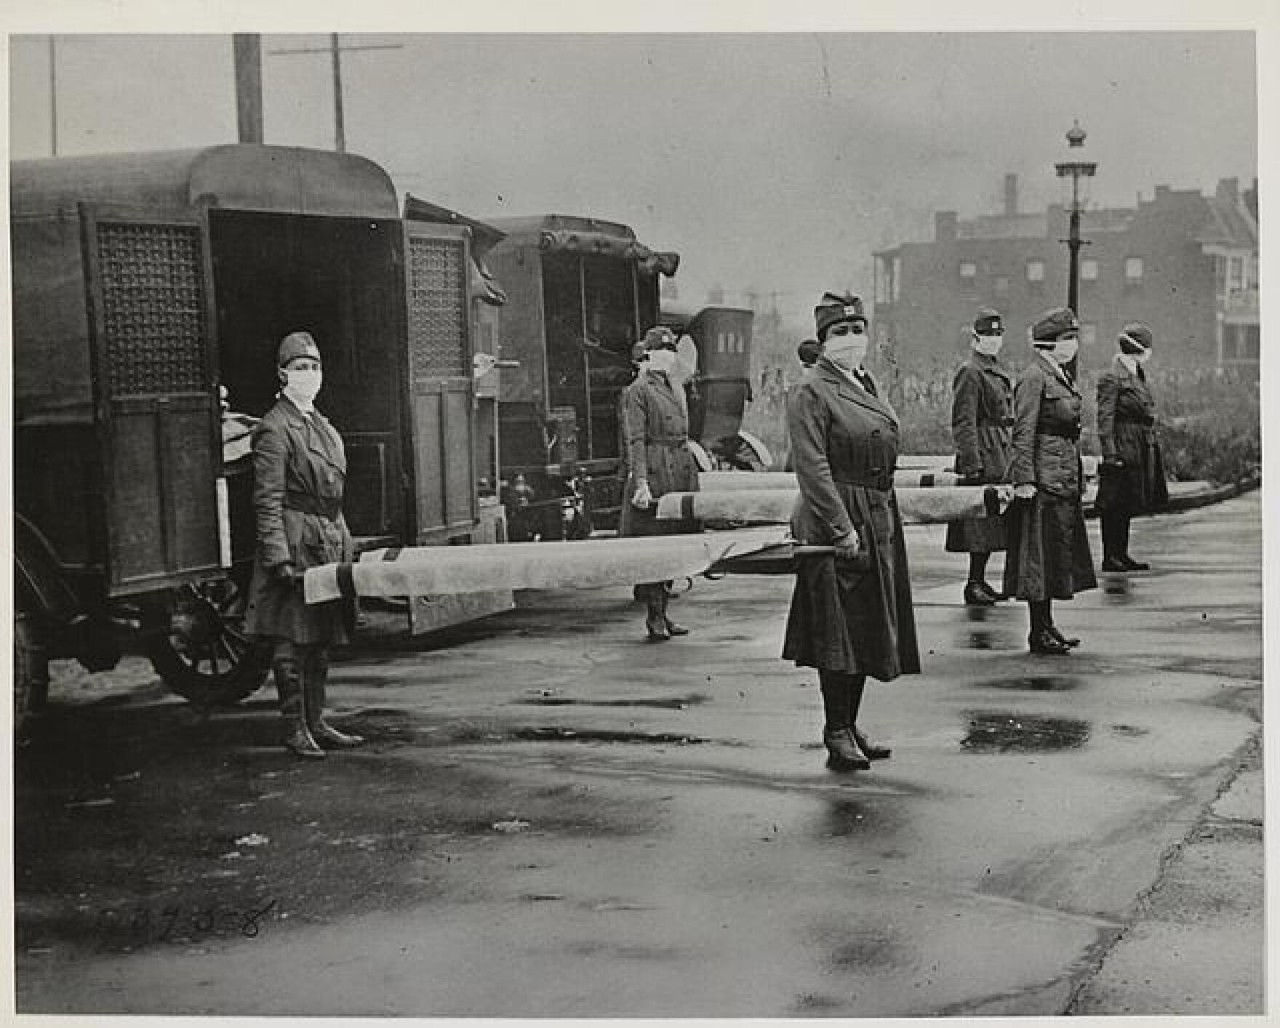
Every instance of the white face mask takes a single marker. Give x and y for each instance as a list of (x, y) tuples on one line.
[(302, 384), (1065, 350), (1142, 357), (988, 345), (662, 360)]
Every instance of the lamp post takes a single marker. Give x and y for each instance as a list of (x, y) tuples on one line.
[(1076, 169), (1079, 171)]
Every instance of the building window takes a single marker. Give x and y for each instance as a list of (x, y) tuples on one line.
[(1235, 274), (968, 270), (1035, 271), (1001, 285), (1089, 270), (1088, 334), (1133, 270), (895, 280)]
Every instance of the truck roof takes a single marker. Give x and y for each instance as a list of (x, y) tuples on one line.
[(240, 176), (568, 233)]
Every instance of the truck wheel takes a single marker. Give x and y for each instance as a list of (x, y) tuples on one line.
[(200, 648), (30, 671)]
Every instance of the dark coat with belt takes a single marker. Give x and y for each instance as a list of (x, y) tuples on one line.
[(982, 431), (300, 469), (851, 616), (1048, 547), (1126, 420), (655, 443)]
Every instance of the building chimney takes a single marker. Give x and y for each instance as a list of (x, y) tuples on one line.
[(944, 226), (1010, 195)]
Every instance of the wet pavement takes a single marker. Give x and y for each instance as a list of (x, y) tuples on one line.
[(553, 817)]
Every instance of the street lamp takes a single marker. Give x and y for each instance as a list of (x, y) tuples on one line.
[(1079, 171)]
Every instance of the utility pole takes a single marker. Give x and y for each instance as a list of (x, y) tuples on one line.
[(248, 61), (53, 97), (335, 49)]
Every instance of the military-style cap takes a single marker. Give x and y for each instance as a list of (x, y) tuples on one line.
[(295, 345), (834, 308), (1053, 324), (988, 323), (1135, 337), (809, 351), (659, 338)]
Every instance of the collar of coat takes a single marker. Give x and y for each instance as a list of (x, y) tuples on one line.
[(322, 438), (848, 387), (1057, 371), (992, 365)]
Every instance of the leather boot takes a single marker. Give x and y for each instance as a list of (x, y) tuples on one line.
[(840, 695), (843, 753), (655, 621), (672, 627), (873, 750), (315, 675), (297, 737)]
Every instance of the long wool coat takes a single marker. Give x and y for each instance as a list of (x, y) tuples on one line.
[(1126, 416), (655, 442), (982, 430), (300, 469), (1049, 554), (851, 616)]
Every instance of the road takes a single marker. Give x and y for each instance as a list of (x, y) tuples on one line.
[(555, 818)]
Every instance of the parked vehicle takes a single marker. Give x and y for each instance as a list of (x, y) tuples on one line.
[(146, 284), (580, 292)]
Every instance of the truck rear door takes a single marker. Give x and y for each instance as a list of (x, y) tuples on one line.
[(441, 379), (150, 316)]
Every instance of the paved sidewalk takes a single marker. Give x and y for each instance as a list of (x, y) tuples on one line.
[(1196, 945)]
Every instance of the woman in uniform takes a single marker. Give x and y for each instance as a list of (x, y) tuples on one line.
[(299, 468), (982, 430), (1048, 557), (1131, 476), (655, 435), (851, 615)]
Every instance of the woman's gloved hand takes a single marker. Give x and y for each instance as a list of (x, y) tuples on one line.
[(1026, 491), (642, 497), (848, 546)]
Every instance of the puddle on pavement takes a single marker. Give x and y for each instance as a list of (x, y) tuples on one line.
[(561, 734), (1009, 732), (848, 816), (551, 698), (1033, 683), (989, 629), (1117, 590)]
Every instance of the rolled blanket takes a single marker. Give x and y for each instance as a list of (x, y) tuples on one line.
[(575, 564), (752, 481), (918, 505)]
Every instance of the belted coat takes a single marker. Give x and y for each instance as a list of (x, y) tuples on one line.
[(1126, 420), (1048, 548), (982, 432), (655, 444), (850, 616), (300, 470)]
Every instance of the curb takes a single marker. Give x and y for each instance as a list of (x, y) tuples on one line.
[(1193, 499)]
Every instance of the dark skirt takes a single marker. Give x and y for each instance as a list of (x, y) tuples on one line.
[(977, 535), (856, 616), (1137, 488), (278, 611), (1049, 554)]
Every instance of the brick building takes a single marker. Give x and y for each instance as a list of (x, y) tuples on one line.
[(1183, 262)]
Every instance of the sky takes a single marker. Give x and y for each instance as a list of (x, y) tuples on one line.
[(774, 162)]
